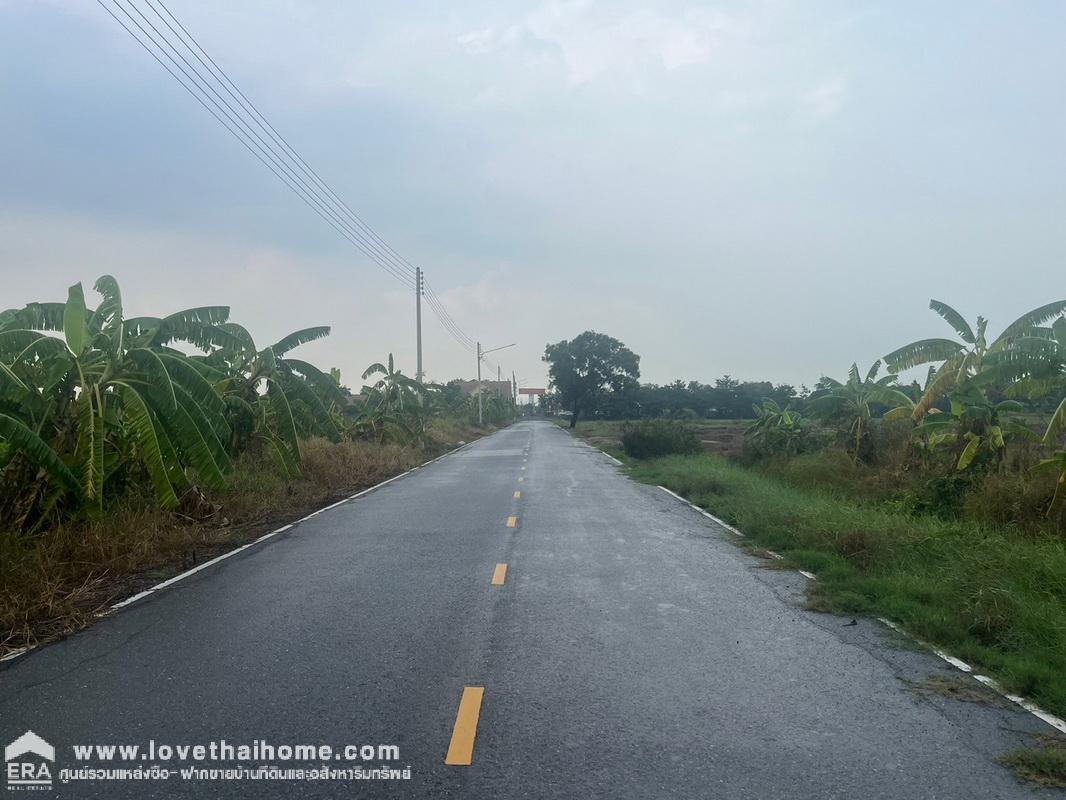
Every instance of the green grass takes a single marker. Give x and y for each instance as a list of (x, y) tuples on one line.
[(607, 434), (989, 594)]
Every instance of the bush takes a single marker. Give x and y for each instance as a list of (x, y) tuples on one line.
[(944, 495), (658, 437)]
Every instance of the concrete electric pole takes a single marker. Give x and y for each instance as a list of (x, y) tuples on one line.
[(419, 374)]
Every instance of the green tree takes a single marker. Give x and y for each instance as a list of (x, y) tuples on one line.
[(393, 403), (270, 398), (852, 404), (1042, 355), (589, 364), (959, 361), (975, 426), (776, 430), (108, 396)]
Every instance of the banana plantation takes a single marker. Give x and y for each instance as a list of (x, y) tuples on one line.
[(95, 405), (982, 400)]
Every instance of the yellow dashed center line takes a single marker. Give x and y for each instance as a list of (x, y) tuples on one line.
[(512, 522), (517, 495), (500, 575), (461, 749)]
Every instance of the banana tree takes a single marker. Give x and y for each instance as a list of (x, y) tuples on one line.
[(1056, 463), (271, 398), (776, 430), (393, 386), (960, 360), (393, 402), (80, 407), (975, 426), (1054, 351), (853, 402)]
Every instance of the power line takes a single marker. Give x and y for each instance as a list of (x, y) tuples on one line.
[(445, 318), (448, 323), (445, 321), (245, 122), (231, 119), (264, 124)]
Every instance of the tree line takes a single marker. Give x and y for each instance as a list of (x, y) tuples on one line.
[(596, 376), (981, 394)]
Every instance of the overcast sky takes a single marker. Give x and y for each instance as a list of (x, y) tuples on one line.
[(767, 189)]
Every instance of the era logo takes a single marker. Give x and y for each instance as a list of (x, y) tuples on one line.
[(24, 772)]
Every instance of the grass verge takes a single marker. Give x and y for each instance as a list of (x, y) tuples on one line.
[(990, 595), (1045, 765), (56, 583)]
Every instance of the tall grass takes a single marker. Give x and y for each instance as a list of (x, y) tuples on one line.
[(990, 594)]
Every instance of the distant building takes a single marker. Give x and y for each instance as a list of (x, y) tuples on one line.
[(498, 388)]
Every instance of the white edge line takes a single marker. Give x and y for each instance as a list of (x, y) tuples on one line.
[(282, 529), (705, 513), (615, 460), (1055, 722), (170, 581)]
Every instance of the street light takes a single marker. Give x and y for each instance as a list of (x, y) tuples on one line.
[(480, 355)]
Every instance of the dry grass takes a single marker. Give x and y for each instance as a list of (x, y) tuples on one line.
[(1044, 766), (965, 690), (56, 583)]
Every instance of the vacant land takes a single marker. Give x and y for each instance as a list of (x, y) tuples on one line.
[(721, 436)]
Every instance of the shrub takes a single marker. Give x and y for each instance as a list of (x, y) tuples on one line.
[(658, 437), (943, 496)]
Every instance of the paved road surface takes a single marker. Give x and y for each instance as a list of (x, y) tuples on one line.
[(633, 652)]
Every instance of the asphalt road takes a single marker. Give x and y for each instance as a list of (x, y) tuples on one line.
[(633, 651)]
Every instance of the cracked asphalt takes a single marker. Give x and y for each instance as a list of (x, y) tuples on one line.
[(634, 651)]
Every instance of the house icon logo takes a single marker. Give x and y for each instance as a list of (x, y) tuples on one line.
[(26, 762)]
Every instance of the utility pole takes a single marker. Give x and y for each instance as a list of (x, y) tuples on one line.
[(480, 355), (499, 380), (419, 375), (514, 390)]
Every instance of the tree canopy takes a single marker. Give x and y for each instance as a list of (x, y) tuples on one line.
[(588, 365)]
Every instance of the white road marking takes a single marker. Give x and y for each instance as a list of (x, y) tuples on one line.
[(282, 529), (707, 514), (15, 654), (1055, 722)]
